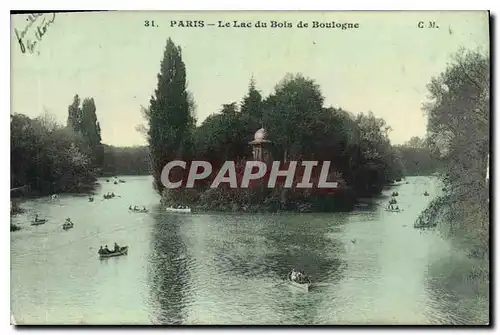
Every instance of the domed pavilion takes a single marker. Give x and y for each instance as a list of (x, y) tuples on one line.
[(260, 146)]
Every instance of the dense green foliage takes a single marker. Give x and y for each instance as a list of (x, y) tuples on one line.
[(50, 158), (418, 158), (459, 112), (83, 121), (170, 116), (125, 161), (299, 125), (47, 156), (301, 128)]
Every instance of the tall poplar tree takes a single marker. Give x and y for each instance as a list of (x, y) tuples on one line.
[(74, 115), (82, 120), (91, 131), (170, 121)]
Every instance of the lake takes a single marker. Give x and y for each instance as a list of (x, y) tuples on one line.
[(369, 266)]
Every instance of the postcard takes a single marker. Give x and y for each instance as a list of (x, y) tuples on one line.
[(250, 168)]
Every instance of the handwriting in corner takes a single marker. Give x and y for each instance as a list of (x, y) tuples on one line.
[(38, 32)]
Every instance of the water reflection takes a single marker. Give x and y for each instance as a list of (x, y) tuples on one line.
[(231, 269), (167, 269), (458, 291)]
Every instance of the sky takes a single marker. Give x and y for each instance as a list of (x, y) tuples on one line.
[(383, 66)]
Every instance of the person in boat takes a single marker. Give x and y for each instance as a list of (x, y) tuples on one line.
[(144, 208), (117, 247), (36, 217), (106, 250), (135, 208), (297, 276), (130, 207), (101, 250), (303, 277), (397, 208)]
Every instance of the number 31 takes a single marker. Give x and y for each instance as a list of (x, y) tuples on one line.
[(149, 23)]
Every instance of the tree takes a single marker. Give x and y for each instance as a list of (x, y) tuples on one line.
[(251, 105), (169, 117), (125, 160), (290, 114), (91, 131), (44, 156), (82, 121), (374, 163), (458, 113), (75, 115), (458, 129), (417, 158)]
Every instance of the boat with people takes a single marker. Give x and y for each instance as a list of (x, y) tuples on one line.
[(38, 221), (136, 209), (68, 224), (91, 199), (109, 195), (426, 194), (117, 251), (392, 208), (395, 194), (121, 181), (299, 279), (179, 209), (393, 201)]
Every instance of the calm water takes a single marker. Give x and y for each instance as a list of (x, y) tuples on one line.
[(228, 269)]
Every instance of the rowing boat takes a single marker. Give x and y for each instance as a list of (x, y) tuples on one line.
[(139, 210), (123, 251), (68, 225), (393, 210), (303, 286), (39, 222), (178, 210)]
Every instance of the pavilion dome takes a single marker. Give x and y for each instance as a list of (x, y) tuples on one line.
[(260, 134)]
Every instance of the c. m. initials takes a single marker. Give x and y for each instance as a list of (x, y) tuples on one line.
[(430, 24)]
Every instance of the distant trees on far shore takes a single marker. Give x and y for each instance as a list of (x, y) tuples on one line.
[(417, 157), (125, 161)]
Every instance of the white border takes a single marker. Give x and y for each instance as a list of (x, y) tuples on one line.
[(178, 5)]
